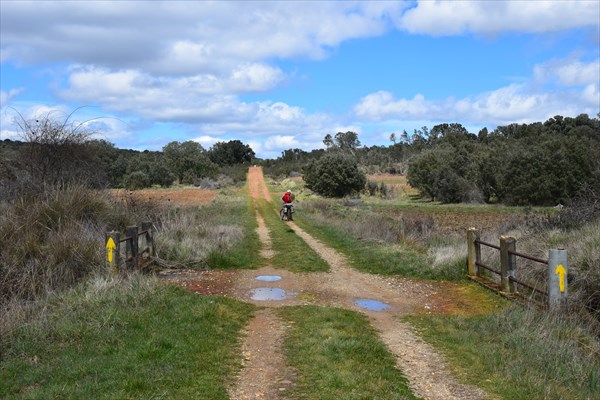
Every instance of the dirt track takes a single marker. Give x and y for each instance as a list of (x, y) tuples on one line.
[(265, 375)]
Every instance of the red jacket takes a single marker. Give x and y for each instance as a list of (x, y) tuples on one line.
[(287, 198)]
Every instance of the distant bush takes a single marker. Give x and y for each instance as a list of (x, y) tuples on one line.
[(334, 175), (136, 180)]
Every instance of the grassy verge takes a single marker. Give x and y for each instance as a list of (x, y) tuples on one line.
[(291, 252), (372, 257), (338, 356), (245, 253), (221, 234), (117, 339), (519, 354)]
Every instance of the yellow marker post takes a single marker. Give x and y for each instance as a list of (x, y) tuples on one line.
[(558, 284)]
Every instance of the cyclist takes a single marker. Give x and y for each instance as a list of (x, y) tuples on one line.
[(287, 198)]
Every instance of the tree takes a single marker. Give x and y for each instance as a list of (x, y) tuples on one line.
[(347, 141), (393, 138), (188, 159), (230, 153), (334, 175), (328, 141)]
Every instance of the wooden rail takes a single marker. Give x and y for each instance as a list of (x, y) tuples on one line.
[(139, 246), (555, 296)]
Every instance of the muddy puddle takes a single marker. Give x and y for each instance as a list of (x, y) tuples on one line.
[(268, 278), (269, 294), (371, 305)]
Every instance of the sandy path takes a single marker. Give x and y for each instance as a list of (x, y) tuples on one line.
[(265, 376)]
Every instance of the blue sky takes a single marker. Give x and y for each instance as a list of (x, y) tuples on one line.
[(280, 75)]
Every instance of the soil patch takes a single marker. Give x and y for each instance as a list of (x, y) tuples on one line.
[(176, 197)]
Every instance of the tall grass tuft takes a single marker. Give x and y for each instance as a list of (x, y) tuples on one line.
[(519, 353), (52, 240)]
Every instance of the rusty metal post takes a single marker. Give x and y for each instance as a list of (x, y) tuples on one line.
[(113, 250), (132, 247), (472, 235), (507, 262)]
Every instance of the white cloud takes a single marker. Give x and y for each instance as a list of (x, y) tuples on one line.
[(207, 141), (559, 87), (6, 96), (494, 17), (281, 142), (187, 37), (568, 72)]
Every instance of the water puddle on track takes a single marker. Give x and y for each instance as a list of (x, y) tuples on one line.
[(268, 278), (371, 305), (268, 294)]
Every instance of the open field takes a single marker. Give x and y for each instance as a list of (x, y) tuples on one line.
[(178, 196)]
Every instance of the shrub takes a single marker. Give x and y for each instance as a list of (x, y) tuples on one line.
[(334, 175), (136, 180)]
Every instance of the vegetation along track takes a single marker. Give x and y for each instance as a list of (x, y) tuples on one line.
[(265, 375)]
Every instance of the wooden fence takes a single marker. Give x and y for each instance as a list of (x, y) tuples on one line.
[(138, 249), (555, 295)]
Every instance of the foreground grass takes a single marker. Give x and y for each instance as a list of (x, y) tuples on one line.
[(519, 354), (291, 252), (117, 339), (338, 356)]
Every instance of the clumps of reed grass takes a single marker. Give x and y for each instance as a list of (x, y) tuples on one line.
[(371, 226), (187, 241), (53, 239)]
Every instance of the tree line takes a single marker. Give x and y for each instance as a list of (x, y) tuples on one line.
[(541, 163), (55, 152)]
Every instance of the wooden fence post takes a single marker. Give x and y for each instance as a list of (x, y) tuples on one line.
[(507, 263), (113, 250), (132, 247), (557, 278), (472, 235), (149, 237)]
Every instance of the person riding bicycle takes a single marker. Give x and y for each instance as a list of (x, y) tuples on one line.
[(287, 198)]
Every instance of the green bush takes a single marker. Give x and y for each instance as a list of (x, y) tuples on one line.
[(136, 180), (334, 175)]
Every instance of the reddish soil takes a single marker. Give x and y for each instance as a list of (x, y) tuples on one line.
[(177, 197)]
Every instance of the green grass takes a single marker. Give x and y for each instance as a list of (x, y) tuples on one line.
[(125, 339), (519, 354), (291, 251), (377, 258), (245, 253), (338, 356)]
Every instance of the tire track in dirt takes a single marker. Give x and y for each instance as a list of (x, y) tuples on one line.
[(264, 374), (425, 369)]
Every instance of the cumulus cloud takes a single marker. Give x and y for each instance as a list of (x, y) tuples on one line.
[(564, 87), (187, 37), (440, 18)]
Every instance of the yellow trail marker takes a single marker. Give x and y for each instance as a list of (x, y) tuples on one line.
[(110, 247), (560, 271)]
